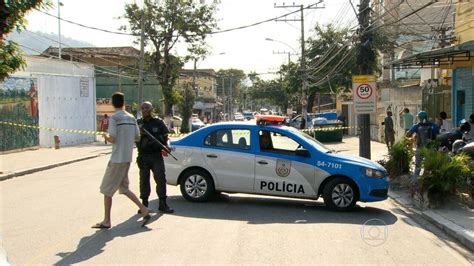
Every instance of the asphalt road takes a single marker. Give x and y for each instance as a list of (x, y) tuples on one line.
[(46, 219)]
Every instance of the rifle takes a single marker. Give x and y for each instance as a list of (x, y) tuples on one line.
[(159, 143)]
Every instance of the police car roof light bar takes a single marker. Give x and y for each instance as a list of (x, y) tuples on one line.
[(270, 119)]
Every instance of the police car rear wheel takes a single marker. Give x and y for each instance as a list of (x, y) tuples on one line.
[(340, 194), (196, 185)]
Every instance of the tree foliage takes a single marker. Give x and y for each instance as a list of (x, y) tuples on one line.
[(166, 24), (12, 17), (272, 92), (186, 107), (227, 78), (331, 59)]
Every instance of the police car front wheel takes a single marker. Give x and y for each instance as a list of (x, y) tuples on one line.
[(196, 185), (340, 194)]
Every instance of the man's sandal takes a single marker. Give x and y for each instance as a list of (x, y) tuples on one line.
[(100, 226)]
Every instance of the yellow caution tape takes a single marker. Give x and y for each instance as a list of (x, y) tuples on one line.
[(327, 128), (92, 132), (78, 131)]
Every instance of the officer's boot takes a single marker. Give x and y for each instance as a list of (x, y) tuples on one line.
[(163, 207), (144, 202)]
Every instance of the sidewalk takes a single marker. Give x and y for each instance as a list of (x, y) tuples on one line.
[(30, 161), (454, 219)]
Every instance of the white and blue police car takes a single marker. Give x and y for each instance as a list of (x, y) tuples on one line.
[(268, 158)]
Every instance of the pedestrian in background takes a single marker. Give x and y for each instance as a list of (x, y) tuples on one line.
[(122, 133), (444, 126), (104, 125), (470, 135), (407, 119), (150, 157), (424, 131), (388, 130)]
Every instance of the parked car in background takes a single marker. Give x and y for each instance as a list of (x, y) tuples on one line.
[(196, 123), (296, 121), (177, 121), (248, 115), (238, 117)]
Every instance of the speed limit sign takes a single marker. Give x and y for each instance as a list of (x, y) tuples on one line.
[(365, 100), (364, 91)]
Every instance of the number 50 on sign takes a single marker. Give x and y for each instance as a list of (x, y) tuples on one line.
[(364, 94)]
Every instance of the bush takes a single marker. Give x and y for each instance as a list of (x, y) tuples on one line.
[(399, 158), (443, 175)]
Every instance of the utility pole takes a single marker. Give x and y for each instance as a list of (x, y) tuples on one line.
[(231, 104), (304, 97), (59, 28), (194, 78), (142, 60), (365, 68), (444, 40), (285, 52), (304, 76), (224, 99)]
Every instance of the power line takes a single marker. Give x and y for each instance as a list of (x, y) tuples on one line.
[(368, 29), (210, 33)]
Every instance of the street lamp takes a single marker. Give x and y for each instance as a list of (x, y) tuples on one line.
[(273, 40), (289, 53)]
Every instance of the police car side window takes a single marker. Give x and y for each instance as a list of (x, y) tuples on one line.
[(278, 142), (229, 138)]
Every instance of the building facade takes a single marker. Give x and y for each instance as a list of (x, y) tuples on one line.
[(47, 95)]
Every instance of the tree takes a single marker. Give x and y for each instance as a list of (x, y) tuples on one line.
[(291, 79), (333, 56), (166, 24), (272, 91), (226, 77), (229, 86), (186, 107), (12, 16)]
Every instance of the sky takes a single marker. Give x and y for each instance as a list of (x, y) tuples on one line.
[(244, 49)]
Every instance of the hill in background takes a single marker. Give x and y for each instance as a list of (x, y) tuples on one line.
[(40, 41)]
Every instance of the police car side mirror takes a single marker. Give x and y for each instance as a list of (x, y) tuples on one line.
[(302, 152)]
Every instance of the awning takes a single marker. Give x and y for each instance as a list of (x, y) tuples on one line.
[(203, 106), (436, 58)]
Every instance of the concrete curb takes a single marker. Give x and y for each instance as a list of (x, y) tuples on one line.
[(49, 166), (457, 232)]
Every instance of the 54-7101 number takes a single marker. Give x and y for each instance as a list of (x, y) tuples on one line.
[(329, 165)]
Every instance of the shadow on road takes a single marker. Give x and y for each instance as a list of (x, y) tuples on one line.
[(267, 210), (91, 246)]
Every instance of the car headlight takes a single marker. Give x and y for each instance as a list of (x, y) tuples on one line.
[(374, 173)]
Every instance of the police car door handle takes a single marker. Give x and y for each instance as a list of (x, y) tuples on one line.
[(211, 156), (262, 162)]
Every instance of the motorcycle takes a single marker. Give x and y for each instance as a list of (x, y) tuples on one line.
[(455, 139)]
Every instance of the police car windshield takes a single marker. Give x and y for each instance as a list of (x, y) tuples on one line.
[(311, 140)]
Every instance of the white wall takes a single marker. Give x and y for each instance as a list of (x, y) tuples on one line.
[(60, 102)]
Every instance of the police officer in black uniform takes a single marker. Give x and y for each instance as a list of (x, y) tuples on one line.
[(150, 157)]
